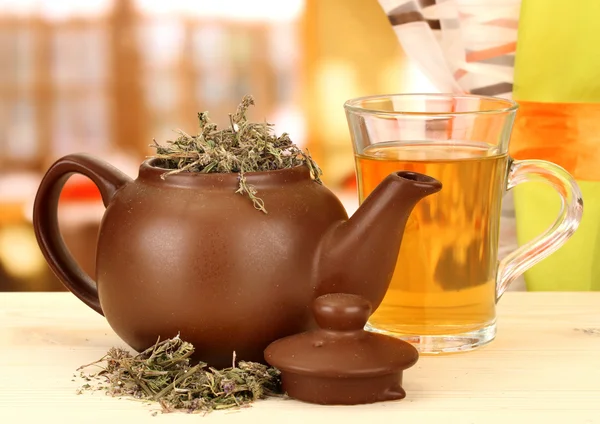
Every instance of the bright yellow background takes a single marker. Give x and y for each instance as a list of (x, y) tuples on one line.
[(558, 61), (558, 58)]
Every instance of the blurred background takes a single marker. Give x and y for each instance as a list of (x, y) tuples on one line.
[(107, 76)]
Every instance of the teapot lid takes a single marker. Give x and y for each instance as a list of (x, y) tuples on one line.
[(341, 347)]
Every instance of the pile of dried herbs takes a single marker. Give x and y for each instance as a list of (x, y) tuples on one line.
[(165, 374), (242, 147)]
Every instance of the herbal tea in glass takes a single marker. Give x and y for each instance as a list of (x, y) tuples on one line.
[(444, 281), (448, 278)]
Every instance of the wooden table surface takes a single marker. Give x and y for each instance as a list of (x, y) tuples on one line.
[(543, 367)]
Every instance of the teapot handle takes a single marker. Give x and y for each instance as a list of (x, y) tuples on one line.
[(45, 219)]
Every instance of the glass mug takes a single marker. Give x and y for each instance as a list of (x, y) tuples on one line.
[(447, 281)]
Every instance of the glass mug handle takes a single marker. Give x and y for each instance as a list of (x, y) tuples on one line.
[(571, 210)]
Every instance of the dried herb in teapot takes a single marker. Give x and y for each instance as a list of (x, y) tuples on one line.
[(165, 374), (242, 147)]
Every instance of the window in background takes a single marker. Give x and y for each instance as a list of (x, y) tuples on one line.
[(99, 75), (52, 81), (79, 75), (205, 56)]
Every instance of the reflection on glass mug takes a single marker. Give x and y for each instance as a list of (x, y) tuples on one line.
[(448, 279)]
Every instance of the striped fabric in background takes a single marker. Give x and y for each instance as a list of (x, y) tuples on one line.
[(462, 46)]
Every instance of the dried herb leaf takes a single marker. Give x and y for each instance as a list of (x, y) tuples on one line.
[(242, 147), (164, 374)]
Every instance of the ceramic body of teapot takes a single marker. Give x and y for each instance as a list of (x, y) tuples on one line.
[(188, 255)]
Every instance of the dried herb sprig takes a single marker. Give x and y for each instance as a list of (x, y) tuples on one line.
[(164, 373), (242, 147)]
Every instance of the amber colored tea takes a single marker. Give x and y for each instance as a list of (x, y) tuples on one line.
[(444, 282)]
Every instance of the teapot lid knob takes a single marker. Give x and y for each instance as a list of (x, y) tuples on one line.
[(341, 312)]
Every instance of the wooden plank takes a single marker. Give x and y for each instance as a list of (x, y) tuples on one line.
[(544, 365)]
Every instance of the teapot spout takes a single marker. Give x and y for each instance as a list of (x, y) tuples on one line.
[(358, 256)]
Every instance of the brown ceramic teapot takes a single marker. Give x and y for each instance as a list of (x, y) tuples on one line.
[(188, 255)]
